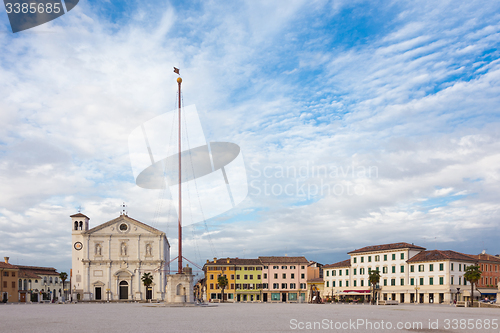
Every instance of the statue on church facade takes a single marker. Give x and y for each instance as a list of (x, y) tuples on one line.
[(98, 251), (124, 249)]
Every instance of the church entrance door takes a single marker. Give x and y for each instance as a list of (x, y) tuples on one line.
[(149, 293), (123, 290), (98, 293)]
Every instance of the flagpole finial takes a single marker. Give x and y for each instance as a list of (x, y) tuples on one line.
[(179, 80)]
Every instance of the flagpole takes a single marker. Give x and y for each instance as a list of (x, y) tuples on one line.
[(179, 81)]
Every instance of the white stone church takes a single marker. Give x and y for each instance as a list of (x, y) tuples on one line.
[(109, 260)]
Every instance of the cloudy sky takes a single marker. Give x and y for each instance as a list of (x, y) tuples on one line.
[(360, 123)]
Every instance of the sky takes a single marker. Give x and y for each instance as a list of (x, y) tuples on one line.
[(359, 122)]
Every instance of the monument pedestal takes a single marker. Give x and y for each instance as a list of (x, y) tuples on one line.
[(180, 287)]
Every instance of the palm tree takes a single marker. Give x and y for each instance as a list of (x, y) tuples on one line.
[(63, 276), (472, 274), (223, 282), (147, 279), (374, 278)]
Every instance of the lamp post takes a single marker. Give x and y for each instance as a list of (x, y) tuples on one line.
[(416, 291)]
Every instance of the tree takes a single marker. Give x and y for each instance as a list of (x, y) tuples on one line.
[(147, 279), (472, 274), (223, 282), (63, 276), (374, 279)]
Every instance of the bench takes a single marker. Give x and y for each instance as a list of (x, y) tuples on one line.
[(462, 304), (388, 302)]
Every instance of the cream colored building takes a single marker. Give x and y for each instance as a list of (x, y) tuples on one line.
[(109, 260), (408, 274), (438, 276)]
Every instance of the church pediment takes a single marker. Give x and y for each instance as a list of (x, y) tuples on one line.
[(124, 225)]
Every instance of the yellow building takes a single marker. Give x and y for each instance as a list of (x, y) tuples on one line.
[(213, 269)]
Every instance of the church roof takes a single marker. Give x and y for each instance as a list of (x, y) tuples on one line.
[(126, 219), (80, 215)]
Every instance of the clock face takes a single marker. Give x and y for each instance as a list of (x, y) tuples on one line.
[(78, 246)]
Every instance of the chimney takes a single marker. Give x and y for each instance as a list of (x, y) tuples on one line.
[(215, 260), (6, 259), (228, 260)]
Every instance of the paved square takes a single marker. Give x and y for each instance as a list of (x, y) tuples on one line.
[(243, 317)]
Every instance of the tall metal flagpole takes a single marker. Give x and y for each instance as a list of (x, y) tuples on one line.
[(179, 81)]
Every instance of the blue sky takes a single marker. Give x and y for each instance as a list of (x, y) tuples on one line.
[(408, 88)]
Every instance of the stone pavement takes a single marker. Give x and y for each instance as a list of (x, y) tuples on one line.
[(244, 317)]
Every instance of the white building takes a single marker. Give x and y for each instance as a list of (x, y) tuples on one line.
[(109, 260), (408, 274), (438, 276)]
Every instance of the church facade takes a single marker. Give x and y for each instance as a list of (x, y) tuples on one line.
[(109, 260)]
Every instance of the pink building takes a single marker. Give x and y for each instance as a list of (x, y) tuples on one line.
[(284, 279)]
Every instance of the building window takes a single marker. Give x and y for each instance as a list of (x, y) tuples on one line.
[(354, 283), (327, 284), (284, 275), (421, 281), (245, 277), (451, 266), (431, 281), (385, 282), (362, 259), (212, 276), (394, 256), (283, 267), (385, 257), (354, 271), (441, 280), (340, 283), (459, 267), (361, 271), (369, 270), (275, 275), (377, 258), (354, 259), (441, 267), (402, 269), (412, 281), (340, 272), (232, 276), (283, 286), (258, 277), (393, 282), (333, 283), (5, 273), (369, 258), (347, 283), (402, 256), (394, 269), (292, 276), (420, 268), (303, 276), (276, 286), (346, 272), (412, 268), (402, 282), (384, 269), (452, 280), (301, 267), (265, 275), (362, 283), (431, 267), (292, 285), (327, 273)]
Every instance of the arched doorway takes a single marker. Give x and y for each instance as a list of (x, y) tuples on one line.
[(123, 290)]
